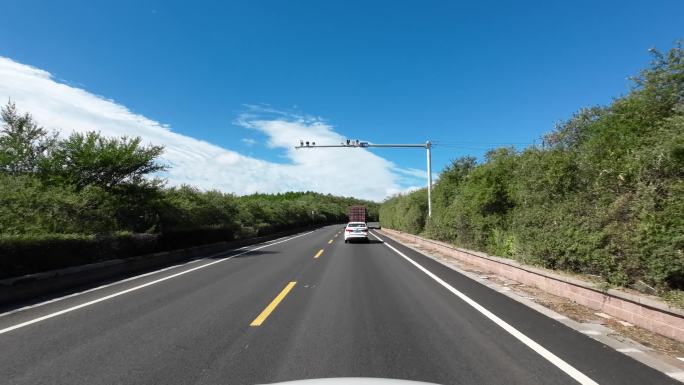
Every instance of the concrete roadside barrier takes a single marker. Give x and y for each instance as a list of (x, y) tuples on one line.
[(28, 287), (644, 311)]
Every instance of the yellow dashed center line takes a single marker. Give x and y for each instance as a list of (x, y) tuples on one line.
[(319, 253), (330, 241), (271, 306)]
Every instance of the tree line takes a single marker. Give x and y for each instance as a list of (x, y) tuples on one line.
[(603, 194), (102, 197)]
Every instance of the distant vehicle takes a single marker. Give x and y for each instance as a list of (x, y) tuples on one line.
[(357, 213), (356, 231)]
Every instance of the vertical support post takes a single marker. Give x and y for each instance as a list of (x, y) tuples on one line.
[(428, 146)]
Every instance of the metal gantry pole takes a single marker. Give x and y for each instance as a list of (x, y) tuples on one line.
[(364, 144), (428, 146)]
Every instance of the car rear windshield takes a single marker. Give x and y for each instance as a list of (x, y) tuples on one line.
[(356, 225)]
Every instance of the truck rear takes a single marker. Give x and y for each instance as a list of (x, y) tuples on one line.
[(357, 213)]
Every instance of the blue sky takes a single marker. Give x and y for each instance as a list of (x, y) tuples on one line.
[(472, 74)]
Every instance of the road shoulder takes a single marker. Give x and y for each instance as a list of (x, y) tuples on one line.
[(662, 354)]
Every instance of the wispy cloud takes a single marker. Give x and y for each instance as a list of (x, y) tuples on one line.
[(248, 141), (412, 172), (355, 172)]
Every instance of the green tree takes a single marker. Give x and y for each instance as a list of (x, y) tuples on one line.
[(604, 194), (23, 144), (92, 159)]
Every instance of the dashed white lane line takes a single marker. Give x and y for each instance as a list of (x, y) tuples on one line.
[(552, 358), (680, 358), (85, 304), (590, 332)]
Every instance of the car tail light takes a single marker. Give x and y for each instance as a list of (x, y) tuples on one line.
[(348, 230)]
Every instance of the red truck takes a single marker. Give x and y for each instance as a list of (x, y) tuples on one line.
[(357, 213)]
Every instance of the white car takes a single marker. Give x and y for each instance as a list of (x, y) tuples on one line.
[(356, 231)]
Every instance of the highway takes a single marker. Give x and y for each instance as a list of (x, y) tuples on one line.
[(304, 306)]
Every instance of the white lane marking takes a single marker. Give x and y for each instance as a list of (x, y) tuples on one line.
[(629, 350), (680, 358), (94, 289), (133, 278), (552, 358), (76, 307), (590, 332), (625, 323), (676, 375)]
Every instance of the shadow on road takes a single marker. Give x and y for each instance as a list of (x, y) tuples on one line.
[(370, 241)]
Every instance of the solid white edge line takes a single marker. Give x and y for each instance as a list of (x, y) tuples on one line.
[(552, 358), (96, 288), (85, 304), (133, 278)]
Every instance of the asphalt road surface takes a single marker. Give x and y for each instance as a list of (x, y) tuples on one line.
[(286, 310)]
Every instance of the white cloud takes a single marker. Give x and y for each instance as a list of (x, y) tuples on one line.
[(248, 141), (412, 172), (355, 172)]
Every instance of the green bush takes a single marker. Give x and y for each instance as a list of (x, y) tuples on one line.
[(27, 254), (185, 217), (603, 195)]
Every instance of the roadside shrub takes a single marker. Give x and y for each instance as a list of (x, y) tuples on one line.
[(603, 195), (27, 254)]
